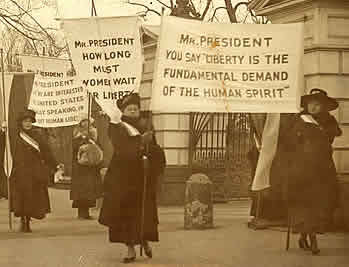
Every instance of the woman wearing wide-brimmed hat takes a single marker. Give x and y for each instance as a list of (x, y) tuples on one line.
[(124, 181), (86, 184), (32, 164), (312, 184)]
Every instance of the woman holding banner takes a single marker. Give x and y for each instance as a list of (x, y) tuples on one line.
[(312, 185), (86, 185), (32, 162), (124, 182)]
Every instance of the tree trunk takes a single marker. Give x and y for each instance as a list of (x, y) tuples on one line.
[(231, 11)]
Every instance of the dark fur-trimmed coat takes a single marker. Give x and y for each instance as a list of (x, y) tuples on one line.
[(123, 187), (29, 177), (312, 184), (86, 181)]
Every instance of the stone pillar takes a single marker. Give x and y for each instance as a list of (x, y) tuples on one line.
[(198, 210)]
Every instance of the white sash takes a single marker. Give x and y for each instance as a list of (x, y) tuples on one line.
[(30, 141), (309, 119), (132, 131)]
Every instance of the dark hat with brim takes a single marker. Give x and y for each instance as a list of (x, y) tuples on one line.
[(321, 96), (27, 114), (130, 99)]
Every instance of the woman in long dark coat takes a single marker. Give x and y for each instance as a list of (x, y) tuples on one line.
[(32, 162), (124, 181), (86, 184), (312, 184)]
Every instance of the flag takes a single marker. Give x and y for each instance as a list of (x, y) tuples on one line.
[(272, 161), (6, 159), (271, 171), (267, 152)]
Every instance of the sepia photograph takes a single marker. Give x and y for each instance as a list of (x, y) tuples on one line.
[(174, 133)]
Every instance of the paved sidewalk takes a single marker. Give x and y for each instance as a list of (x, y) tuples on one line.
[(63, 241)]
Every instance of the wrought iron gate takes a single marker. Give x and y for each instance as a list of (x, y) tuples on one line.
[(219, 144)]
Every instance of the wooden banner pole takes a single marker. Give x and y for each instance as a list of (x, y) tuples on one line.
[(6, 134)]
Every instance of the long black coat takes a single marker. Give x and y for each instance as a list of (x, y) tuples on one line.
[(123, 185), (29, 178), (312, 184), (86, 184)]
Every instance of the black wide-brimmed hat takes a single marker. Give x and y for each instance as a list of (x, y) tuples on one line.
[(130, 99), (27, 113), (321, 96)]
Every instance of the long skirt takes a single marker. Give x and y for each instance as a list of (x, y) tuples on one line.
[(34, 203), (127, 227), (130, 233), (84, 203)]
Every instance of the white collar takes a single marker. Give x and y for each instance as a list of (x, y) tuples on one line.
[(309, 119), (132, 131)]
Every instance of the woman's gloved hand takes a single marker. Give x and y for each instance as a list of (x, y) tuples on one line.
[(147, 137)]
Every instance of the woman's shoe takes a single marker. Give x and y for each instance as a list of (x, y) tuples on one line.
[(148, 251), (129, 259), (27, 225), (315, 250), (23, 226), (87, 218), (313, 245), (303, 244)]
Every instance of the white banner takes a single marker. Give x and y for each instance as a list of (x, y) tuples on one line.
[(107, 56), (269, 145), (211, 67), (4, 107), (58, 99)]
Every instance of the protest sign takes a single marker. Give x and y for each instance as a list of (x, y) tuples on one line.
[(211, 67), (57, 99), (107, 56)]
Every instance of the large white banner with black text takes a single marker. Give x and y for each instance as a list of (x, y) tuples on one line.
[(107, 55), (57, 97), (211, 67)]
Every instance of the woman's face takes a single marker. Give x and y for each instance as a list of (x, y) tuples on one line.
[(314, 107), (27, 124), (132, 111), (84, 123)]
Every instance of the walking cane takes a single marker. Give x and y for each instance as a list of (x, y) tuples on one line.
[(145, 168), (145, 178), (288, 231)]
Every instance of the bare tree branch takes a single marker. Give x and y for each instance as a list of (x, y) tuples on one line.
[(209, 2), (246, 16), (230, 11), (215, 11), (22, 24), (35, 47), (237, 7), (240, 4), (18, 30), (37, 23), (146, 7), (162, 3)]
